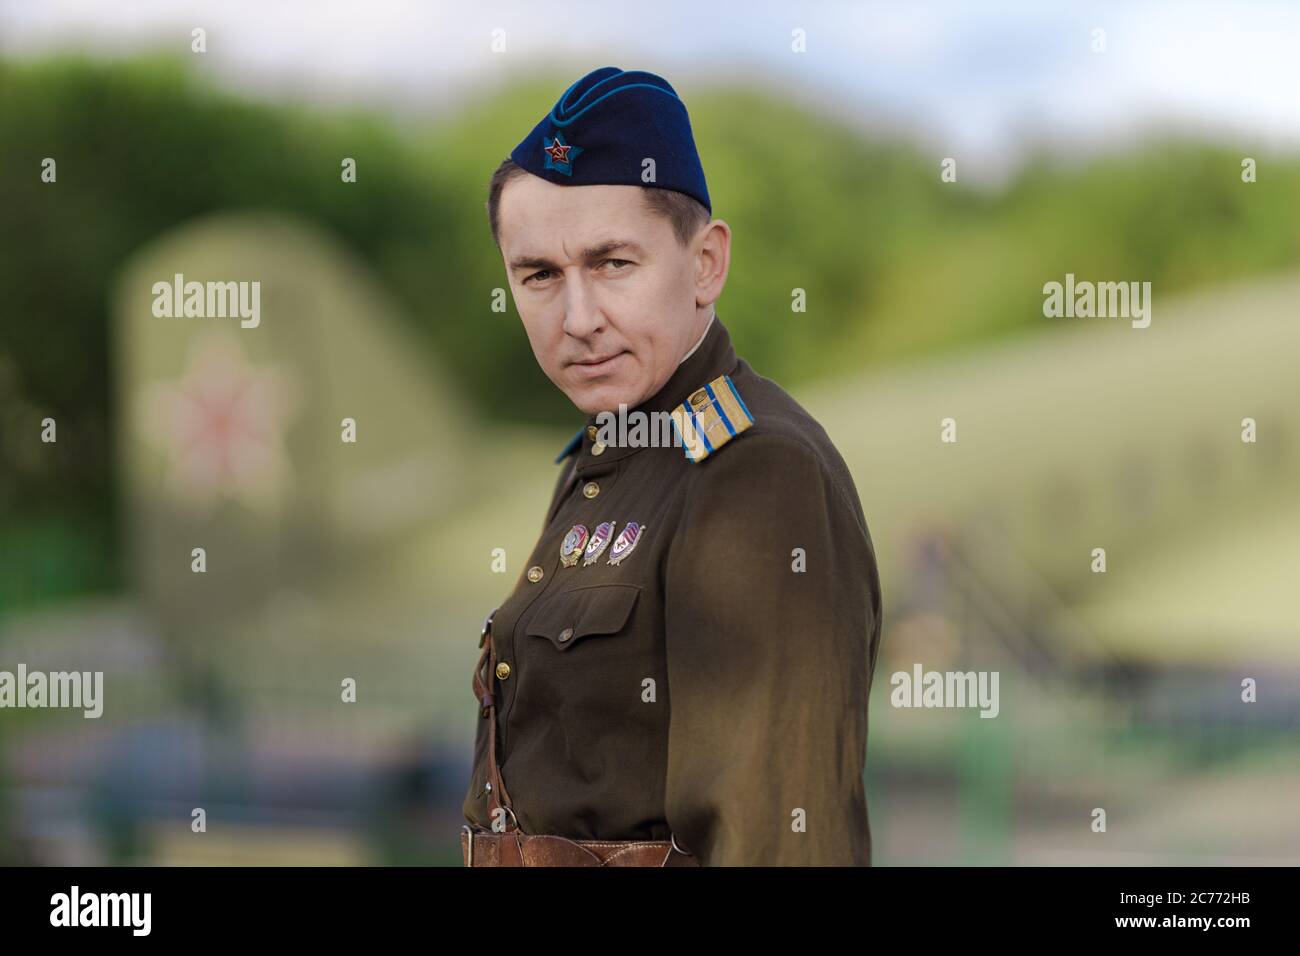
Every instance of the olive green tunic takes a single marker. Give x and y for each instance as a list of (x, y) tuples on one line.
[(705, 687)]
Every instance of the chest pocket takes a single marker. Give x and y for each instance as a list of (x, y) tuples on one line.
[(570, 616)]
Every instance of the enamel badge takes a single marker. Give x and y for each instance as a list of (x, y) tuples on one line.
[(625, 542), (559, 154), (572, 545), (598, 543)]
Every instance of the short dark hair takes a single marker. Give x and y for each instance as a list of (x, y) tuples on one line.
[(685, 213)]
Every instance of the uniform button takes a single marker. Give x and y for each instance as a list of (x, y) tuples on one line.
[(566, 634), (590, 489), (591, 432), (503, 670), (598, 448), (535, 574)]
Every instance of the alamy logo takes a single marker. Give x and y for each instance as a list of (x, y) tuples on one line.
[(923, 688), (637, 429), (102, 909), (1084, 300), (74, 689), (209, 300)]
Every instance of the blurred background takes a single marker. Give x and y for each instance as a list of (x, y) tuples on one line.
[(1105, 140)]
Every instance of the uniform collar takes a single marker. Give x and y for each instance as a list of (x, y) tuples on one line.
[(712, 357)]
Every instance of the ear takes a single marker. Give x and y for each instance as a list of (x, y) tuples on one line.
[(712, 260)]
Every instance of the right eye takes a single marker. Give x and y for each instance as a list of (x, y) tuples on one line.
[(540, 276)]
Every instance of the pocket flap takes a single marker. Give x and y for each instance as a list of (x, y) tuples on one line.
[(567, 617)]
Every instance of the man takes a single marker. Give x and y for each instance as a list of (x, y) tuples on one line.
[(680, 675)]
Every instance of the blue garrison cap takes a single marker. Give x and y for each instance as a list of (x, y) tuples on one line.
[(606, 125)]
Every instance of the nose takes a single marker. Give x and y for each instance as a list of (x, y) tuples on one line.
[(582, 313)]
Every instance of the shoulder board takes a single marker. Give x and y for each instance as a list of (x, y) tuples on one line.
[(711, 417)]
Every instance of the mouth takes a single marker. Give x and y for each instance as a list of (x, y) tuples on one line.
[(599, 366)]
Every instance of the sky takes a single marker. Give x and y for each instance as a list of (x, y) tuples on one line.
[(977, 80)]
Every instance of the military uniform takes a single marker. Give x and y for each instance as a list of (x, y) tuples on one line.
[(702, 686), (680, 674)]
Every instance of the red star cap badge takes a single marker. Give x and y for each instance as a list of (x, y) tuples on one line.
[(559, 152)]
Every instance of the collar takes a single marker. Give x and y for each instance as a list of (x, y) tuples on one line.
[(703, 335), (712, 356)]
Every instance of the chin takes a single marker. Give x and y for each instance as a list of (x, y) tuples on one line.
[(593, 399)]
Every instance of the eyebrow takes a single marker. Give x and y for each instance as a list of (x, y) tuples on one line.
[(587, 255)]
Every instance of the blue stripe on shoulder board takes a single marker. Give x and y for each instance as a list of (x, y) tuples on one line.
[(680, 437), (699, 430), (722, 414), (734, 391)]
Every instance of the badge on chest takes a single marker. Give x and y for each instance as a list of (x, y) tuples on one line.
[(589, 546), (573, 544)]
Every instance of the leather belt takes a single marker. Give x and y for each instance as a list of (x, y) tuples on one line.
[(481, 847)]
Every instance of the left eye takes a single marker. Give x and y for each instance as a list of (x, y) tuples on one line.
[(617, 263)]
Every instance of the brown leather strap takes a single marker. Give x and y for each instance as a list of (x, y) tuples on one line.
[(485, 848), (498, 798)]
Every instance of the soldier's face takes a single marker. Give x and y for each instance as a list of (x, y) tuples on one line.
[(607, 295)]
